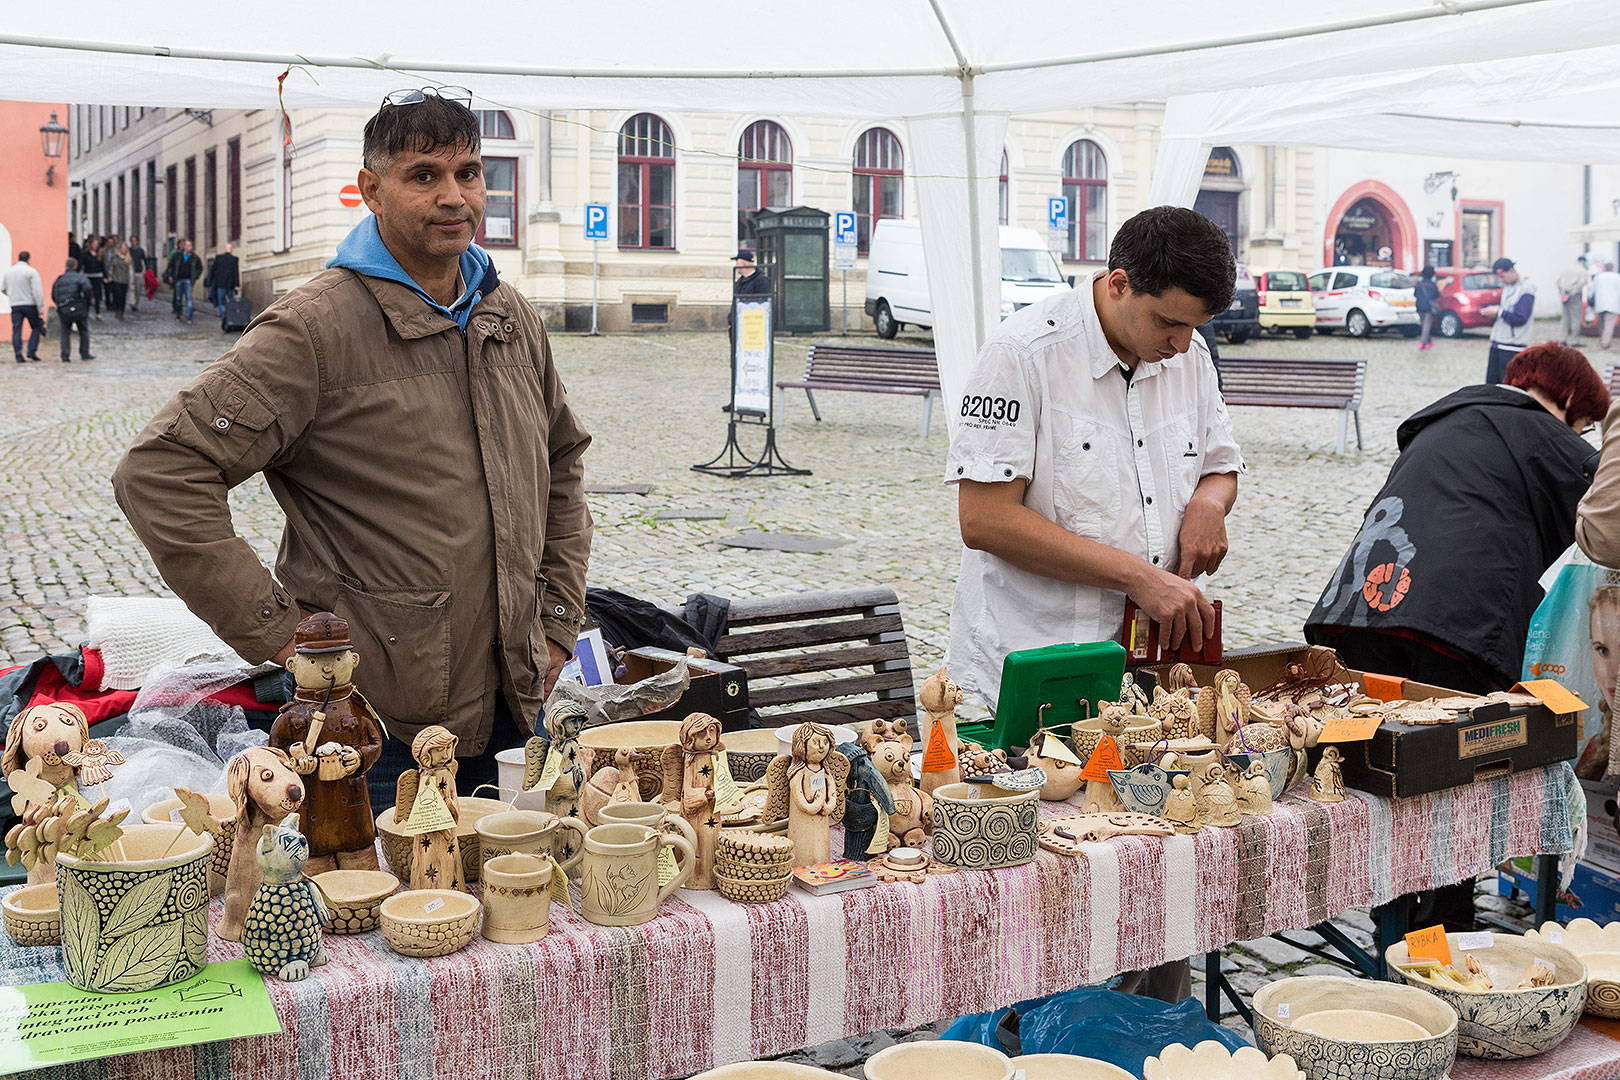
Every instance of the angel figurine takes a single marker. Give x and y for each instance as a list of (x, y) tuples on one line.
[(429, 791), (561, 726), (689, 768), (1223, 709), (808, 788)]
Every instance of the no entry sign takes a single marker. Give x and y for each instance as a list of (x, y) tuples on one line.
[(349, 196)]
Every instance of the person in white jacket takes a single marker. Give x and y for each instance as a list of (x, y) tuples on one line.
[(26, 293), (1606, 302)]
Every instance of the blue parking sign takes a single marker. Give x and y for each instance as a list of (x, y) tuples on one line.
[(844, 227), (596, 221), (1057, 212)]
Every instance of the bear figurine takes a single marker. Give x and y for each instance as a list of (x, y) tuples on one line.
[(282, 934)]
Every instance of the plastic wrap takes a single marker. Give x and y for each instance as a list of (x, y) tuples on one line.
[(1122, 1029), (624, 701)]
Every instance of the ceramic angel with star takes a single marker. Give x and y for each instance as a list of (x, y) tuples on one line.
[(689, 789), (435, 852), (807, 787)]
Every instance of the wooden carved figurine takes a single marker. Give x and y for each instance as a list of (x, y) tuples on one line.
[(426, 795), (867, 803), (1180, 808), (942, 750), (50, 733), (912, 818), (689, 789), (261, 782), (1063, 769), (1224, 707), (808, 786), (332, 737), (1100, 797), (282, 935), (1216, 802), (614, 783), (1254, 791), (1327, 784), (563, 722), (881, 730)]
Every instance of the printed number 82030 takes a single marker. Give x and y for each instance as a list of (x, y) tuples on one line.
[(991, 408)]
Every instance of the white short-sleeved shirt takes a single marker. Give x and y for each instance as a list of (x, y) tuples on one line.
[(1110, 460)]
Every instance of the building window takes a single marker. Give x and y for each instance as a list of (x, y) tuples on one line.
[(191, 200), (1085, 187), (878, 192), (135, 225), (125, 124), (494, 124), (95, 211), (171, 195), (500, 203), (123, 195), (1479, 235), (284, 201), (211, 198), (233, 190), (150, 232), (646, 183), (764, 173), (1001, 190)]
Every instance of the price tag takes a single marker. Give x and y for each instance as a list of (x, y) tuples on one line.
[(174, 815), (880, 836), (558, 887), (667, 868), (1482, 939), (1350, 728), (818, 782), (726, 791), (428, 813), (1555, 936), (552, 770), (115, 806), (1553, 695), (1058, 750), (1429, 944), (1282, 1011), (432, 905)]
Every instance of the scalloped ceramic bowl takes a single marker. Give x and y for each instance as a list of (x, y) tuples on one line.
[(1383, 1053), (32, 916), (397, 846), (937, 1059), (410, 928), (767, 1070), (1509, 1024), (354, 898), (1068, 1067), (1210, 1060), (1599, 949)]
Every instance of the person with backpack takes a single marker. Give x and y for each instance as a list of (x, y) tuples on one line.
[(71, 294), (1427, 295)]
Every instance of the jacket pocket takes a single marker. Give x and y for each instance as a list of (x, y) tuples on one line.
[(403, 638), (1085, 479), (539, 653)]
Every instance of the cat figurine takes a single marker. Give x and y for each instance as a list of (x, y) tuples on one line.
[(282, 934)]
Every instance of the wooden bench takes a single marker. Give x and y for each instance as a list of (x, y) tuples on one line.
[(831, 657), (871, 369), (1297, 384)]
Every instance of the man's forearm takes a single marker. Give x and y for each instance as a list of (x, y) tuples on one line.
[(1030, 542), (1221, 488)]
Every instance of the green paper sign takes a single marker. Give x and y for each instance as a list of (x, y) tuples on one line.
[(55, 1023)]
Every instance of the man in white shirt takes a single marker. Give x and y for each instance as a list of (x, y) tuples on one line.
[(1572, 295), (26, 293), (1093, 456), (1606, 302)]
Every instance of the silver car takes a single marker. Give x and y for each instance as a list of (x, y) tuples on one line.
[(1361, 299)]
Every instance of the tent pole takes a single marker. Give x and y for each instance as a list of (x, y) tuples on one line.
[(975, 245)]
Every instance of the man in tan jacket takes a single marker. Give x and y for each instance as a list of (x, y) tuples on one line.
[(407, 416)]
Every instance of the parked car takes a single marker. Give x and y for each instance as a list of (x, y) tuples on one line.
[(897, 278), (1241, 320), (1463, 294), (1285, 302), (1362, 299)]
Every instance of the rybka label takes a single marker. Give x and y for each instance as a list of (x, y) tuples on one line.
[(1490, 737)]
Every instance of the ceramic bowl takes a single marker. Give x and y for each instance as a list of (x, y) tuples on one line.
[(224, 811), (977, 827), (354, 898), (1506, 1024), (1187, 749), (1085, 735), (1276, 762), (1068, 1067), (648, 736), (397, 846), (939, 1058), (1279, 1007), (784, 736), (1599, 949), (1210, 1060), (749, 753), (410, 928), (768, 1070), (752, 890), (31, 914)]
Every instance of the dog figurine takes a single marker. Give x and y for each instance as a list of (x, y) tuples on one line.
[(49, 732), (261, 782), (282, 934)]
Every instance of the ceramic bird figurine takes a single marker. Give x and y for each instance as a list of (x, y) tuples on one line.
[(1254, 791), (282, 936), (1180, 808), (942, 752), (1327, 784), (614, 783)]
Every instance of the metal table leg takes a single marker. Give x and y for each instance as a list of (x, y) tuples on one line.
[(1546, 888)]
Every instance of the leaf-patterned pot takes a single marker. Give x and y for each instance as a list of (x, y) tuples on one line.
[(1507, 1024), (1280, 1005), (224, 811), (978, 827), (32, 915), (1599, 949), (138, 919)]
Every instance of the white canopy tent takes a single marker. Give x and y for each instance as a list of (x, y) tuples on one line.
[(954, 70)]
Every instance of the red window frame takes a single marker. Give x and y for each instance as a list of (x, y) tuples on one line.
[(233, 187), (504, 199), (1082, 172), (878, 154), (171, 199), (646, 143)]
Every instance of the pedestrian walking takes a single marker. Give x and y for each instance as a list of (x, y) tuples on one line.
[(138, 265), (1606, 302), (182, 273), (1510, 334), (1572, 294), (118, 276), (1427, 295), (26, 292), (224, 279), (94, 268), (71, 294)]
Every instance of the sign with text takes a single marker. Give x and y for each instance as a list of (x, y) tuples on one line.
[(751, 371), (843, 256), (1429, 944), (844, 228), (596, 221)]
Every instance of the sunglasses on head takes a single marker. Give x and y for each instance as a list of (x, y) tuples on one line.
[(458, 94)]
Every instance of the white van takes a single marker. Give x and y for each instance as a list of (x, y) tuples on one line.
[(897, 280)]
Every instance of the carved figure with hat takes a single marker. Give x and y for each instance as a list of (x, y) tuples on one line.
[(332, 736)]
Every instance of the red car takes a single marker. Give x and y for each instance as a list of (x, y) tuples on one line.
[(1464, 294)]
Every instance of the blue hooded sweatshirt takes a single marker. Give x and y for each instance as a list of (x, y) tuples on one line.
[(363, 251)]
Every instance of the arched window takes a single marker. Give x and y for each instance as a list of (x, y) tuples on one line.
[(646, 183), (499, 228), (764, 173), (495, 124), (878, 166), (1001, 189), (1085, 186)]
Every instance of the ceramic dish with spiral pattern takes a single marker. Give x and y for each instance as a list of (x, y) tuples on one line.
[(1280, 1008), (1599, 949), (977, 827)]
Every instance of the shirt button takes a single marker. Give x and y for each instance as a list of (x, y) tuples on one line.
[(392, 640), (1009, 472), (1138, 442), (1150, 500), (960, 470), (221, 423), (1085, 446), (1155, 560)]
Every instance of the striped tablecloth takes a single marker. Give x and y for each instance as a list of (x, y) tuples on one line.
[(1592, 1052), (711, 982)]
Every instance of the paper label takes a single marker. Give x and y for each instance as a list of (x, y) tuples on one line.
[(1488, 738), (432, 905), (1058, 750), (726, 791), (428, 813), (558, 886), (174, 815), (115, 806), (1350, 728), (1102, 759), (667, 867), (939, 755), (818, 782), (1551, 693), (551, 770), (1482, 939), (1555, 936), (1429, 944), (82, 803), (1282, 1011), (880, 837)]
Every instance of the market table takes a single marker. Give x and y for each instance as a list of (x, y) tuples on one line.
[(710, 982)]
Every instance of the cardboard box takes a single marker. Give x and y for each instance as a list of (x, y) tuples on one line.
[(1404, 760), (1602, 838), (716, 688), (1594, 893)]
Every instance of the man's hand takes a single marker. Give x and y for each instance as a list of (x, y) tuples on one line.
[(558, 657), (1175, 604), (1203, 537), (1491, 311)]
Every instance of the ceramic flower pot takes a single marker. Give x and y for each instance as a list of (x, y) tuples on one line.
[(137, 919), (32, 915), (224, 811), (529, 832), (978, 827), (1599, 949), (397, 846), (429, 922), (939, 1058), (517, 901), (354, 898), (619, 878), (1400, 1033)]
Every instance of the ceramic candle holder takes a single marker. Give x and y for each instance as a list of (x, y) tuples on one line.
[(529, 832), (223, 810), (32, 916), (978, 827), (517, 901), (1374, 1049), (429, 922), (619, 877)]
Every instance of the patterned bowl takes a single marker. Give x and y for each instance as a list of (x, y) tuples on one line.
[(1210, 1060), (224, 811), (749, 753), (1067, 1067), (978, 827), (648, 736), (1508, 1024), (32, 916), (410, 927), (1144, 788), (1599, 949), (354, 898), (1280, 1006), (397, 846)]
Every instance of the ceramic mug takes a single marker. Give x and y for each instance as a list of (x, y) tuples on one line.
[(527, 832), (652, 815), (619, 879), (517, 900)]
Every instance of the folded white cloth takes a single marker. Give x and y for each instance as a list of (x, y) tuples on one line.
[(134, 634)]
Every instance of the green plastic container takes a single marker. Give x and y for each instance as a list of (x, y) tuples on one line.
[(1057, 675)]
